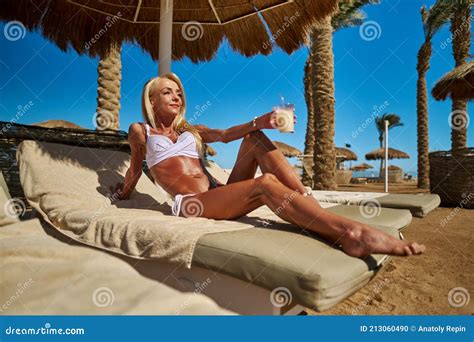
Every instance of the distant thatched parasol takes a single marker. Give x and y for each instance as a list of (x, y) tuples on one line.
[(458, 83), (58, 124), (343, 154), (392, 154), (287, 150), (362, 167), (198, 29), (394, 168)]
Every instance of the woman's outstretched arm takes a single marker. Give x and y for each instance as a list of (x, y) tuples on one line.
[(210, 135)]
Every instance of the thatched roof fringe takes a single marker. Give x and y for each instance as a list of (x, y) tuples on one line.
[(84, 26)]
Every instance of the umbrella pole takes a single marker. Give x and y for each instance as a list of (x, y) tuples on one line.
[(166, 34), (386, 156)]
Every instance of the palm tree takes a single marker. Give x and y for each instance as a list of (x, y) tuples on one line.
[(393, 121), (319, 89), (322, 84), (461, 33), (108, 90), (432, 19)]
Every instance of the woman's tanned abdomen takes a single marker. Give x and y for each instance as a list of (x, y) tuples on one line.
[(180, 175)]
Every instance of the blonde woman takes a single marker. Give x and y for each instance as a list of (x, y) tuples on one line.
[(172, 149)]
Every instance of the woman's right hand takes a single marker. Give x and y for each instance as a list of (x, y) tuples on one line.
[(117, 192)]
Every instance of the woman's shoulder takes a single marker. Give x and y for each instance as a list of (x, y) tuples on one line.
[(136, 133)]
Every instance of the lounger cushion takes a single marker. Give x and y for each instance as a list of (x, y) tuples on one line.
[(45, 276), (419, 205), (374, 216), (317, 275), (271, 254)]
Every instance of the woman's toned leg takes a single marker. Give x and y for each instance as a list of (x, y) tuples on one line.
[(237, 199), (258, 150)]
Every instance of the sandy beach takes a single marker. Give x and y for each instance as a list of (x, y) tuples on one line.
[(420, 285)]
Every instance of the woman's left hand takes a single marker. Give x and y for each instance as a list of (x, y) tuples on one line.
[(268, 121)]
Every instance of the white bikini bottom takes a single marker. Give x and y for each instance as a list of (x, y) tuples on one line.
[(176, 209)]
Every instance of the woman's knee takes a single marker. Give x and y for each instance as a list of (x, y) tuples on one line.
[(265, 182), (255, 136), (258, 139)]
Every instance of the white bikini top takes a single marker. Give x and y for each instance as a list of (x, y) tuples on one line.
[(160, 147)]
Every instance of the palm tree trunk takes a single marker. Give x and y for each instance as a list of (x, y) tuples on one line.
[(461, 32), (108, 91), (307, 162), (322, 78), (424, 56)]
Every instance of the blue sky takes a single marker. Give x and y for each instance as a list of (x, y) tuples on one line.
[(368, 74)]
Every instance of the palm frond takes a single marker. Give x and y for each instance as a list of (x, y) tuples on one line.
[(440, 14), (394, 120), (349, 13)]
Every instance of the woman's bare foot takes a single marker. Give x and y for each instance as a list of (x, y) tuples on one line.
[(360, 241)]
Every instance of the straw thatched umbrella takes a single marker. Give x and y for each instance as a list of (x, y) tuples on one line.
[(58, 123), (394, 168), (166, 30), (392, 154), (457, 84), (362, 167), (198, 26), (343, 154), (287, 150)]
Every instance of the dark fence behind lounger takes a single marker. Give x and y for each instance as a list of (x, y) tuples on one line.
[(12, 134)]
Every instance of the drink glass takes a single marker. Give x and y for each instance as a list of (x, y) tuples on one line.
[(284, 119)]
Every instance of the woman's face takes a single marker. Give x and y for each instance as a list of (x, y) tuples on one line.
[(166, 99)]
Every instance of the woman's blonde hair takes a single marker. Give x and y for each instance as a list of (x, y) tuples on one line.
[(179, 124)]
